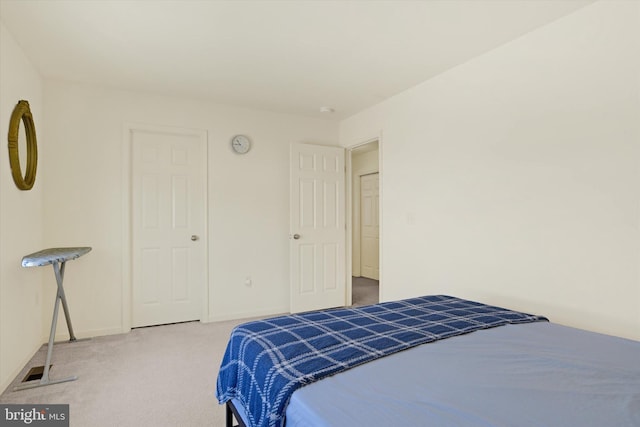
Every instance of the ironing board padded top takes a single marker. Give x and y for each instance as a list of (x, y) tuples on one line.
[(51, 255)]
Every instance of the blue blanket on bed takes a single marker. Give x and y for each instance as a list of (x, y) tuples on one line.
[(267, 360)]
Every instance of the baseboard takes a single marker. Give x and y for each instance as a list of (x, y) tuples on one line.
[(64, 335), (273, 311)]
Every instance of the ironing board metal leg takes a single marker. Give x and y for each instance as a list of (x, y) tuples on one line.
[(59, 272)]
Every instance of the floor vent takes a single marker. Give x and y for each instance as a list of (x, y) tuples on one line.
[(35, 373)]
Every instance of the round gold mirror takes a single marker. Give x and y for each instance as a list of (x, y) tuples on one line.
[(22, 115)]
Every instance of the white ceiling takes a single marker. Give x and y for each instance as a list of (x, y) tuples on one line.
[(286, 56)]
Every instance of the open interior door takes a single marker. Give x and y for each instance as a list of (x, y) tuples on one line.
[(317, 227)]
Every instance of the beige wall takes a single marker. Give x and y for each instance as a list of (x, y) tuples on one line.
[(21, 294), (248, 222), (78, 201), (514, 178)]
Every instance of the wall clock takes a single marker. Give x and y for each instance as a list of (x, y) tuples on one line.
[(240, 144)]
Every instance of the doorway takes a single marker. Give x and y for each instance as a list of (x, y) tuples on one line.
[(165, 190), (365, 223), (317, 227)]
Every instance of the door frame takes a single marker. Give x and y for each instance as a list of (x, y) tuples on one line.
[(349, 213), (127, 206)]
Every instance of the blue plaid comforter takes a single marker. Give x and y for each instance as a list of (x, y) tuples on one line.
[(267, 360)]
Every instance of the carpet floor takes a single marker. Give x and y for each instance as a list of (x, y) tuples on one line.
[(157, 376), (364, 291)]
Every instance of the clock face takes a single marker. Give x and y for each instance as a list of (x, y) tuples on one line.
[(240, 144)]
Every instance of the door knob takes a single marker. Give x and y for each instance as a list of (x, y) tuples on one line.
[(296, 236), (194, 238)]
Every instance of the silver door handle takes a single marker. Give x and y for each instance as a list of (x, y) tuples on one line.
[(194, 238), (296, 236)]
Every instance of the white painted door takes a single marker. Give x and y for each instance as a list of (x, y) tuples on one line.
[(370, 226), (168, 227), (317, 238)]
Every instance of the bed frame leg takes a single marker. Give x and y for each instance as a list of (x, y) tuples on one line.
[(229, 416)]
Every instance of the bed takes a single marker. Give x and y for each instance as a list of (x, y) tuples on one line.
[(429, 361)]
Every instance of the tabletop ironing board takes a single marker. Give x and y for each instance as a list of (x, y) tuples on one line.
[(58, 258)]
